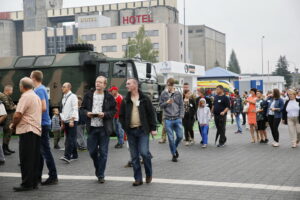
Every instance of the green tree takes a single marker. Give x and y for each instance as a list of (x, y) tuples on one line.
[(141, 46), (282, 69), (233, 64)]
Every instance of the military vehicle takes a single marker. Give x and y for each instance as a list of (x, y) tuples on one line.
[(80, 66)]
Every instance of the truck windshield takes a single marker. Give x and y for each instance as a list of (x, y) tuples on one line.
[(141, 70)]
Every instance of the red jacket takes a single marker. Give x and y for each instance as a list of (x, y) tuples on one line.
[(119, 100)]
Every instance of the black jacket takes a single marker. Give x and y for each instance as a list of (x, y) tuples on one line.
[(190, 115), (284, 113), (109, 109), (146, 111)]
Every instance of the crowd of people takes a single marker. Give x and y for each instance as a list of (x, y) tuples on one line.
[(101, 112)]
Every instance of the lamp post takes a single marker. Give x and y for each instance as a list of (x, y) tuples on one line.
[(262, 55)]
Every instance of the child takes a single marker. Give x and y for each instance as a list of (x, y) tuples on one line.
[(203, 116), (81, 140), (56, 127)]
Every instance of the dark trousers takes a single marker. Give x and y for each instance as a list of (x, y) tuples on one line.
[(274, 124), (139, 145), (97, 144), (220, 122), (29, 152), (71, 143), (46, 154), (244, 118), (188, 125)]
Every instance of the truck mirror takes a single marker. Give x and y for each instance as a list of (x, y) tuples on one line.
[(148, 70)]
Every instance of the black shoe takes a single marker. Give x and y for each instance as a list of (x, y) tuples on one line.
[(174, 159), (50, 181), (201, 142), (266, 141), (232, 121), (6, 153), (101, 180), (177, 154), (2, 162), (10, 150), (119, 146), (262, 141), (220, 145), (22, 188), (73, 158), (129, 164), (137, 183)]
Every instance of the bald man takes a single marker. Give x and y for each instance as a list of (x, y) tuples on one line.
[(69, 116), (27, 122)]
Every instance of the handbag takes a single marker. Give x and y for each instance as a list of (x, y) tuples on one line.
[(246, 108)]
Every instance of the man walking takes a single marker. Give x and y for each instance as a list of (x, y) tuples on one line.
[(220, 108), (40, 90), (27, 121), (171, 102), (118, 128), (69, 117), (100, 107), (10, 108), (138, 119), (3, 115)]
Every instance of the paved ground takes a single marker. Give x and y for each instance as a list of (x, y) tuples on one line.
[(240, 170)]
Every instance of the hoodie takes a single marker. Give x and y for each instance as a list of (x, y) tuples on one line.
[(203, 113)]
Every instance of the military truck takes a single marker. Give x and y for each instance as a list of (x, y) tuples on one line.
[(80, 66)]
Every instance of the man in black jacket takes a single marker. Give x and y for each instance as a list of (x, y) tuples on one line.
[(137, 117), (100, 107)]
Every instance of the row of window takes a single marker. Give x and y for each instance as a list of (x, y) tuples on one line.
[(57, 44), (112, 36), (196, 31), (113, 48)]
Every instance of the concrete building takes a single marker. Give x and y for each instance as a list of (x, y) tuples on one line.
[(207, 47)]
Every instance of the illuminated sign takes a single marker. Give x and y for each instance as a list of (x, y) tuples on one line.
[(137, 19)]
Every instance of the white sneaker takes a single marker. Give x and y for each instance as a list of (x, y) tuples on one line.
[(275, 144), (187, 143), (192, 142), (204, 146)]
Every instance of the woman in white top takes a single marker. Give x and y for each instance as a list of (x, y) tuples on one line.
[(203, 117), (291, 117)]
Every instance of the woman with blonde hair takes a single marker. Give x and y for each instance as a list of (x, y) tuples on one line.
[(291, 117)]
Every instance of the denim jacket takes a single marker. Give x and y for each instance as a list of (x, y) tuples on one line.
[(278, 104)]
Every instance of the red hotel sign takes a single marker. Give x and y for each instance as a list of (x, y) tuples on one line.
[(137, 19), (4, 15)]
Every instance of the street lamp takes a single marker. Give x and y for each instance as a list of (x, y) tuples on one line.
[(262, 55)]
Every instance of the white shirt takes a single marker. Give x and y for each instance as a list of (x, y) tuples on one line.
[(97, 108), (2, 109), (292, 108), (70, 107), (272, 106), (203, 115)]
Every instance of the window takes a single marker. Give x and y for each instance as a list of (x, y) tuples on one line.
[(191, 31), (155, 45), (108, 36), (91, 37), (109, 48), (124, 47), (44, 61), (181, 56), (60, 44), (181, 43), (151, 33), (119, 71), (141, 70), (130, 73), (180, 31), (126, 35), (69, 39), (25, 61), (199, 31), (103, 69)]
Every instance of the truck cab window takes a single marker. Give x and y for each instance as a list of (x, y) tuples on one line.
[(119, 71), (103, 69), (130, 73)]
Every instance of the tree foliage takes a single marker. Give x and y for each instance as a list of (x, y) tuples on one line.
[(282, 69), (141, 46), (233, 64)]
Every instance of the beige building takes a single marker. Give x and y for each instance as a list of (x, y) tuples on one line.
[(207, 46)]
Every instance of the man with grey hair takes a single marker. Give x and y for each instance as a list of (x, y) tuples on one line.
[(69, 116), (100, 107), (27, 122)]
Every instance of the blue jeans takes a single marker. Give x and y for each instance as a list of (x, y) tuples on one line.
[(139, 145), (46, 154), (97, 142), (238, 122), (119, 130), (174, 125), (71, 143), (204, 133)]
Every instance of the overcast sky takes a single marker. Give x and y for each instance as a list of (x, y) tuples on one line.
[(243, 22)]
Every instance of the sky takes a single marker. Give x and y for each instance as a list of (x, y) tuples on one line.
[(243, 21)]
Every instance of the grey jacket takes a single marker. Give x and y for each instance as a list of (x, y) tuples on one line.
[(174, 110)]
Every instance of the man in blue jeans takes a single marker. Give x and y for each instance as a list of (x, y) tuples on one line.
[(138, 119), (100, 107), (171, 102), (40, 90)]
